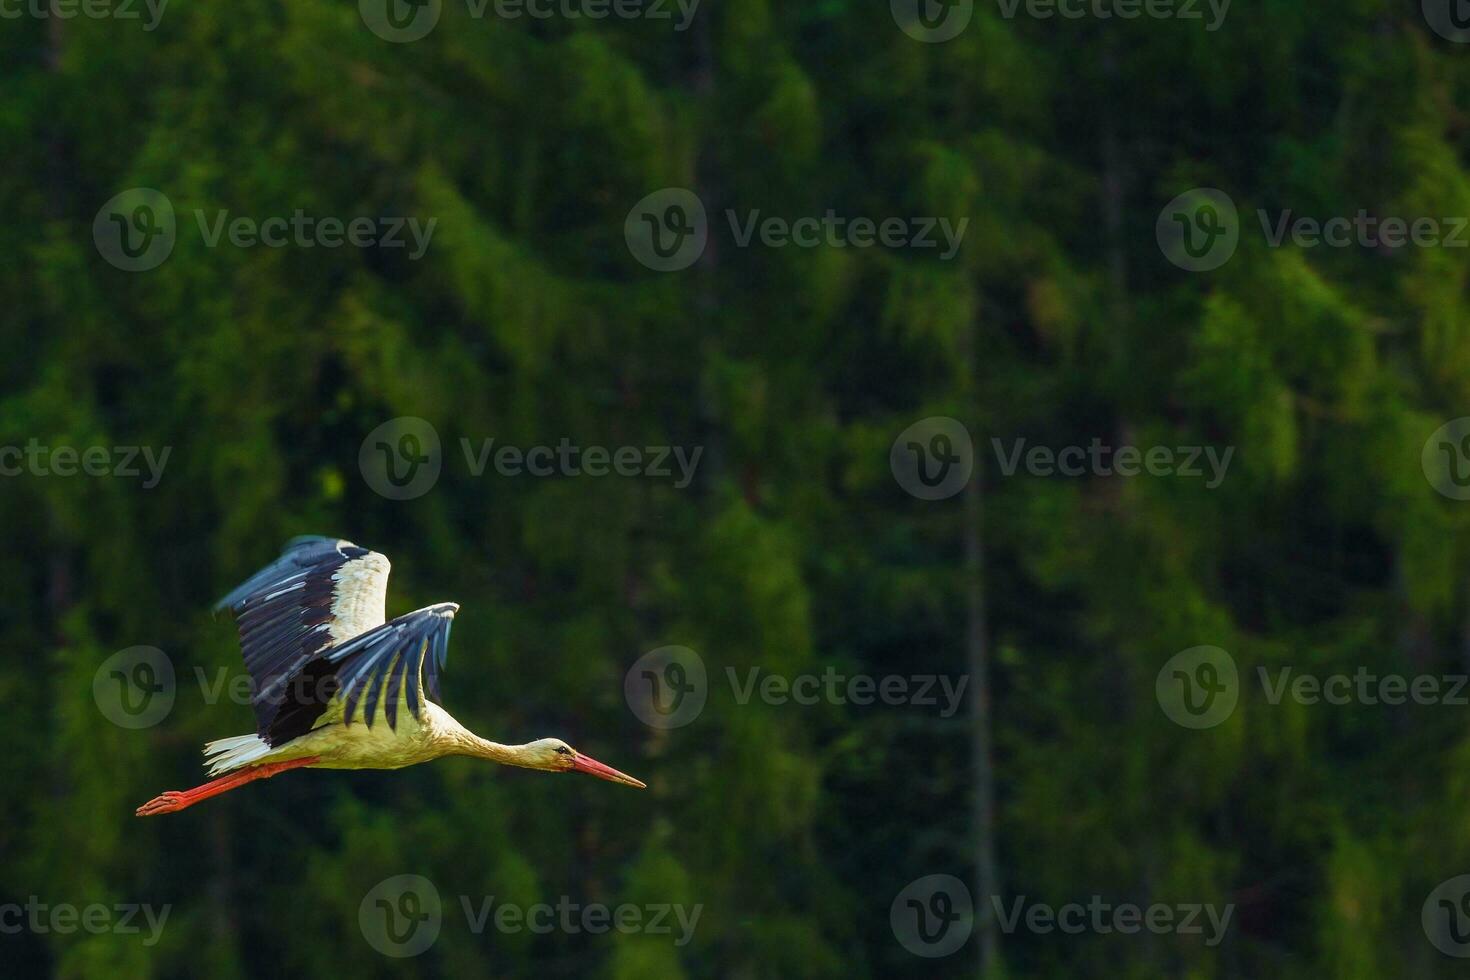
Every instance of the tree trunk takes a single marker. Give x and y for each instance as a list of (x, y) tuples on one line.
[(987, 880)]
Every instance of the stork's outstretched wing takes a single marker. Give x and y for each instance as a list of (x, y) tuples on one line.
[(400, 659), (321, 593), (405, 653)]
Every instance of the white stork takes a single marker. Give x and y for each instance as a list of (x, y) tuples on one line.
[(317, 648)]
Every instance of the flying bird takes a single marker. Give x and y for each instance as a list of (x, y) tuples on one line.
[(337, 687)]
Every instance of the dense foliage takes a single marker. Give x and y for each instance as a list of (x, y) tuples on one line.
[(1059, 321)]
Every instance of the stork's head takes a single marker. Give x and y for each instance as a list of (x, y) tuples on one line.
[(554, 755)]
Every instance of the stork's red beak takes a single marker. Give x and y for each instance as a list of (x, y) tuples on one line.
[(582, 763)]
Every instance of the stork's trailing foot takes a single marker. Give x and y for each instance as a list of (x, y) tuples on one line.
[(175, 800)]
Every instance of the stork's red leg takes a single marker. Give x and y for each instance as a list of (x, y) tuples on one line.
[(175, 800)]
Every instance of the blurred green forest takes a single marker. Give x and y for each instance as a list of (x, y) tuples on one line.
[(1060, 320)]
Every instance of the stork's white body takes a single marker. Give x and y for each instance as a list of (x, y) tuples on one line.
[(356, 746)]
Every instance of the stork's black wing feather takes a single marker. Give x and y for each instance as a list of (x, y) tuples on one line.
[(400, 652), (320, 593)]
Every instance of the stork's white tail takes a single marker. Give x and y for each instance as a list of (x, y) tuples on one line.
[(226, 754)]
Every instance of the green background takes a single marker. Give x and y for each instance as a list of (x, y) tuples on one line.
[(1326, 548)]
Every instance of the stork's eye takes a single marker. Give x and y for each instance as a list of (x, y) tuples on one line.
[(563, 750)]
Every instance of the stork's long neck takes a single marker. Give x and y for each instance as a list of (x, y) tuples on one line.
[(459, 740)]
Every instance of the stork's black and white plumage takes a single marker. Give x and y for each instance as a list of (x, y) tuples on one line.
[(335, 686)]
